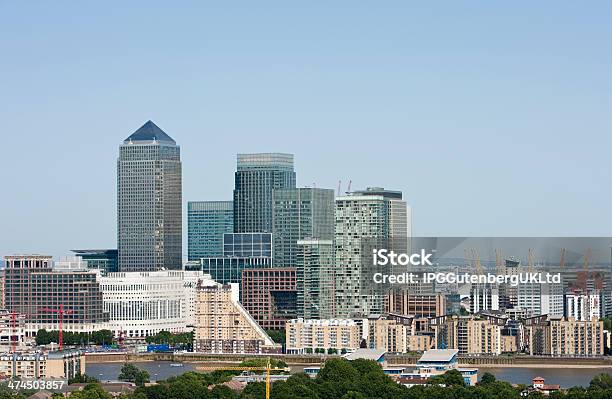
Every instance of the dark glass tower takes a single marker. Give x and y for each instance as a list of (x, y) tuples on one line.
[(256, 176), (149, 201), (300, 213)]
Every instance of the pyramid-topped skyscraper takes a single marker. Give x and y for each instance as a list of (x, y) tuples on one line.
[(149, 198)]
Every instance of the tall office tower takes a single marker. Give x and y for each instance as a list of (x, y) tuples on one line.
[(315, 278), (207, 221), (149, 206), (300, 213), (255, 178), (365, 220)]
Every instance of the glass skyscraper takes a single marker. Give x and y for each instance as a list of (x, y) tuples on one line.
[(315, 279), (365, 220), (257, 175), (297, 214), (149, 210), (104, 260), (240, 251), (207, 221)]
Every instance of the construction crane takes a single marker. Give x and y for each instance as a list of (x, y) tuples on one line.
[(267, 368), (530, 260), (61, 312), (499, 264), (562, 260), (14, 332)]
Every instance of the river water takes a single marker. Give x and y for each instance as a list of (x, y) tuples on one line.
[(566, 377)]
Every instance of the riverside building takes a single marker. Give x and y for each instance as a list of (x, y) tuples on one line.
[(310, 336), (141, 304), (222, 325), (558, 336), (34, 289)]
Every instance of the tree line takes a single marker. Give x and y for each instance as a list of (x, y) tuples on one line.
[(102, 337), (338, 379)]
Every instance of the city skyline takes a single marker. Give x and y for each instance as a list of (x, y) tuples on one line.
[(438, 102)]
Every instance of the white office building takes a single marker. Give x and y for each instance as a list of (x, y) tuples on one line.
[(144, 303), (484, 297), (583, 306), (539, 299)]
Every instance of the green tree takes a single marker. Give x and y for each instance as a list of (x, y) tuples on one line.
[(131, 373), (601, 381), (450, 378), (91, 391), (277, 336), (254, 390), (82, 378), (222, 392), (487, 378)]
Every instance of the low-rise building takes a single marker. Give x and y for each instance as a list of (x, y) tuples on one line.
[(312, 335), (557, 336), (470, 335), (437, 362), (65, 364), (23, 365), (404, 302)]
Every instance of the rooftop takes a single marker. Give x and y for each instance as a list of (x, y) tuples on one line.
[(368, 354), (438, 355), (149, 132), (269, 160)]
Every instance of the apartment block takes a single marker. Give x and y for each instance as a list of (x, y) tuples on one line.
[(403, 302), (365, 220), (470, 335), (224, 326), (558, 336), (315, 279), (270, 295), (308, 336)]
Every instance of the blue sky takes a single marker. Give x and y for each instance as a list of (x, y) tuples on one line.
[(493, 119)]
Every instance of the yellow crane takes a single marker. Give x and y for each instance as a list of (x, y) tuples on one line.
[(562, 260), (267, 368)]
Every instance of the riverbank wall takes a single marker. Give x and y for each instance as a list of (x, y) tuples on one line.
[(392, 360)]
